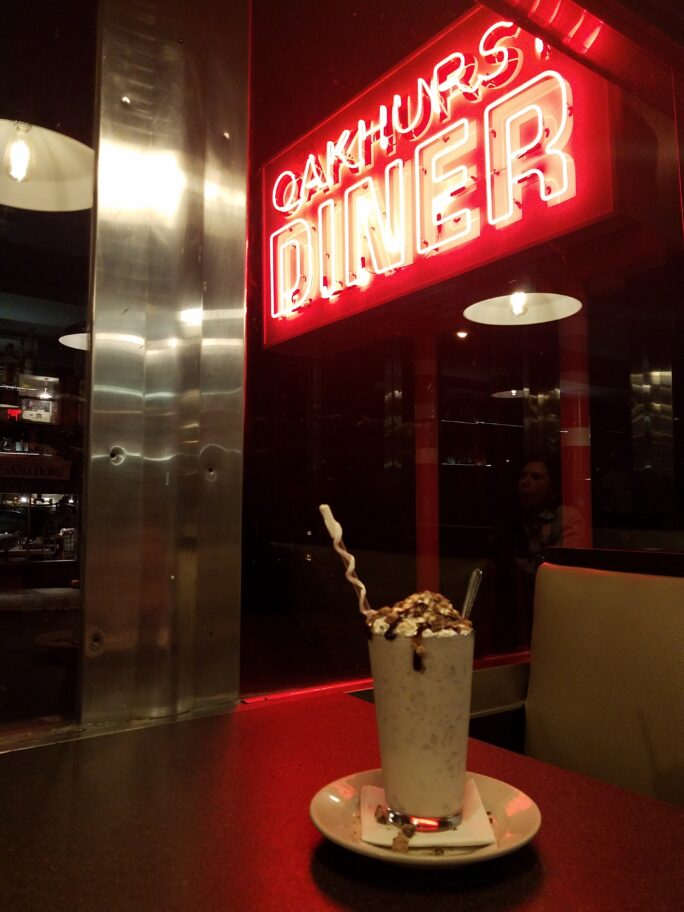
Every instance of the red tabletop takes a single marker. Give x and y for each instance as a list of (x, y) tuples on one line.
[(212, 814)]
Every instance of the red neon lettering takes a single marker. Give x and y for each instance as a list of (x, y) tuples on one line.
[(313, 179), (507, 60), (414, 126), (291, 267), (286, 190), (374, 235), (525, 133), (444, 178), (370, 134), (412, 182), (330, 282), (339, 156), (455, 75)]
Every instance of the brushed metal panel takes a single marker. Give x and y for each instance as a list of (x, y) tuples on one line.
[(163, 520)]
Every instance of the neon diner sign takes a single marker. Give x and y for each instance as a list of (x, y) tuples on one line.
[(480, 144)]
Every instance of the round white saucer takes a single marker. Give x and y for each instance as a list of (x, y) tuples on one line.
[(515, 820)]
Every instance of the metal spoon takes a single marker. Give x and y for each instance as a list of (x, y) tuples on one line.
[(471, 592)]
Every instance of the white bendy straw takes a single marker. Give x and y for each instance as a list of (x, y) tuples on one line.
[(335, 530), (471, 592)]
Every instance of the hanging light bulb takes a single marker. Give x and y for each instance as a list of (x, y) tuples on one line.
[(18, 160), (518, 303), (42, 170)]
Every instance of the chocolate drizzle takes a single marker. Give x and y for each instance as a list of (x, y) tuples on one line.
[(390, 633), (422, 612), (418, 653)]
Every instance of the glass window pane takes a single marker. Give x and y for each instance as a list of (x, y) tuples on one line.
[(45, 211), (444, 444)]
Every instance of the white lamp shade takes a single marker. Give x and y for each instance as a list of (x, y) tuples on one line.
[(62, 172), (539, 307), (510, 394), (78, 340)]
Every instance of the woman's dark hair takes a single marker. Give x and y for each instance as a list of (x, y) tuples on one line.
[(552, 465)]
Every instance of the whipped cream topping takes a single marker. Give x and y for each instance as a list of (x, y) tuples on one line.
[(426, 614)]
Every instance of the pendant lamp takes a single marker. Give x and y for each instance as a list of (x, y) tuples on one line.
[(76, 336), (521, 307), (511, 394), (43, 170)]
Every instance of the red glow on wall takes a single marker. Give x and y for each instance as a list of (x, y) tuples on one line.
[(482, 143)]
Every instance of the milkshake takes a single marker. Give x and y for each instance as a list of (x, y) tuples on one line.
[(421, 652)]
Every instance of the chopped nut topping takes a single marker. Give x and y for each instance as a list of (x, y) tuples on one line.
[(400, 843), (423, 613)]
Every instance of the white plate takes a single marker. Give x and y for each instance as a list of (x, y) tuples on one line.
[(515, 820)]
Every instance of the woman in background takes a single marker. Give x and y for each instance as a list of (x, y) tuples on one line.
[(544, 520), (538, 521)]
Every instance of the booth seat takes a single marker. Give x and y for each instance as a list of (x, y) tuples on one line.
[(606, 687)]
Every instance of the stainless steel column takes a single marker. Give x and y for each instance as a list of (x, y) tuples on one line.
[(163, 503)]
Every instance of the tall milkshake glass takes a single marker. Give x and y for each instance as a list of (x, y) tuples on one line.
[(421, 652), (422, 702)]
